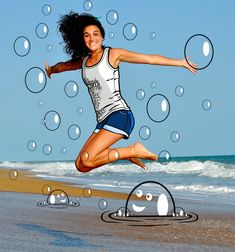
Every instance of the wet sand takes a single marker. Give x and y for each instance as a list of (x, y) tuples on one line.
[(26, 227)]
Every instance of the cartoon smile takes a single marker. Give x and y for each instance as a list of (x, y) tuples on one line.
[(137, 208)]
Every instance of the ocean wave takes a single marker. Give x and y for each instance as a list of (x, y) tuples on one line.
[(209, 169)]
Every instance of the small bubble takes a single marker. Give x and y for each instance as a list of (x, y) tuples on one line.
[(40, 103), (87, 5), (179, 91), (41, 30), (111, 35), (87, 192), (113, 155), (13, 174), (153, 84), (153, 35), (49, 48), (31, 145), (130, 31), (74, 132), (71, 89), (22, 46), (103, 204), (63, 150), (112, 17), (46, 189), (35, 80), (140, 94), (52, 120), (164, 157), (175, 136), (46, 10), (47, 149), (206, 105), (80, 110), (144, 132)]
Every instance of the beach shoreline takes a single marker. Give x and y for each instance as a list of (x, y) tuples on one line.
[(82, 229)]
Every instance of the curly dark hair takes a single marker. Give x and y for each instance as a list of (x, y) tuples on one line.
[(71, 27)]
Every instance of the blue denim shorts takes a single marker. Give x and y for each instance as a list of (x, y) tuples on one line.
[(120, 122)]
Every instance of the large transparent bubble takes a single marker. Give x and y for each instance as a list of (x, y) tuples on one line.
[(130, 31), (158, 108), (35, 80), (52, 120), (199, 49), (42, 30), (112, 17), (22, 46)]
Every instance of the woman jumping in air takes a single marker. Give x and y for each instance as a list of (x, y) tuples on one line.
[(83, 36)]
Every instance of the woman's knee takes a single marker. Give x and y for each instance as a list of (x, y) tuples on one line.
[(80, 166)]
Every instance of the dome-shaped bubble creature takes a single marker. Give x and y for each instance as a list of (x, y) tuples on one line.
[(149, 203), (58, 199)]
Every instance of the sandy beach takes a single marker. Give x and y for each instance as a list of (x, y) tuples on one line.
[(27, 227)]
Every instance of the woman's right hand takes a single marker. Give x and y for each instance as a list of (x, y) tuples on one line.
[(48, 70)]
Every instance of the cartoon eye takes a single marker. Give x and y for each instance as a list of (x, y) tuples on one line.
[(139, 193), (149, 197)]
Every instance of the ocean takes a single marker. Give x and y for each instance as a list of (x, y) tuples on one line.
[(192, 177)]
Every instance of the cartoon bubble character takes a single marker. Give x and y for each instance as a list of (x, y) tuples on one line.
[(58, 199), (150, 198)]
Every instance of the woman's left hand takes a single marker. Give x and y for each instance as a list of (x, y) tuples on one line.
[(189, 65)]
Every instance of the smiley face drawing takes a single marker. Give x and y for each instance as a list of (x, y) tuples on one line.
[(150, 198)]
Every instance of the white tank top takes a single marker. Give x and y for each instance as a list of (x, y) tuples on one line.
[(102, 81)]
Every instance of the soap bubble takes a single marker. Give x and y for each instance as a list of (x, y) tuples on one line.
[(42, 30), (63, 150), (145, 132), (153, 84), (102, 204), (206, 105), (130, 31), (80, 110), (46, 189), (87, 192), (47, 149), (48, 47), (153, 35), (199, 49), (140, 94), (46, 10), (52, 120), (31, 145), (113, 155), (112, 17), (87, 5), (71, 89), (13, 174), (40, 103), (35, 80), (111, 35), (175, 136), (179, 91), (158, 108), (164, 157), (74, 132), (22, 46)]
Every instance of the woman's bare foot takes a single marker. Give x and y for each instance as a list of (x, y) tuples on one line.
[(142, 152)]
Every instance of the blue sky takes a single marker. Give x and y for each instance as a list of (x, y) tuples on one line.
[(163, 27)]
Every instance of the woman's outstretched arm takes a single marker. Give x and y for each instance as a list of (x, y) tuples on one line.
[(121, 55), (62, 66)]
